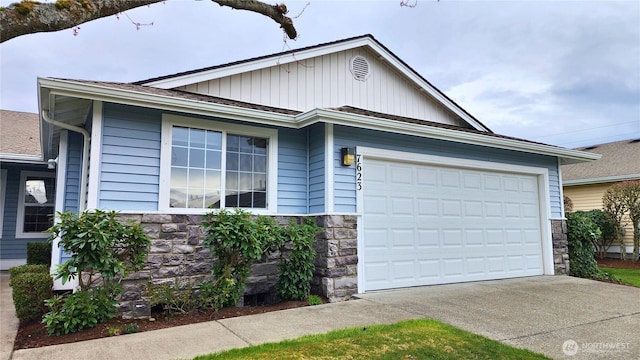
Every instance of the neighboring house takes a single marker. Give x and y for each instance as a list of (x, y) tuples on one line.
[(432, 196), (27, 187), (586, 183)]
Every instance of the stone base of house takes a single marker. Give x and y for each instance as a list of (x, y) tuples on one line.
[(560, 246), (177, 256)]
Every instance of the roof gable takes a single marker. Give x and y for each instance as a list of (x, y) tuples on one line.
[(416, 96), (19, 136), (620, 161)]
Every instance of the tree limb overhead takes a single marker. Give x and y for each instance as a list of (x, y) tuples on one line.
[(28, 17)]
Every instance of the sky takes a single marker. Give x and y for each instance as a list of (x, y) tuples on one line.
[(565, 73)]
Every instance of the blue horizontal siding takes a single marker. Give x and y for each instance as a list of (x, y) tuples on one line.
[(344, 177), (11, 247), (292, 171), (316, 168), (130, 158)]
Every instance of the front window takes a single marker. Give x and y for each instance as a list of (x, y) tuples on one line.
[(212, 169), (37, 204)]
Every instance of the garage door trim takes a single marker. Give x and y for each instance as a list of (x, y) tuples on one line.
[(542, 175)]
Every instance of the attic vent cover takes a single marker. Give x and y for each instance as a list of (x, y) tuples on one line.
[(360, 68)]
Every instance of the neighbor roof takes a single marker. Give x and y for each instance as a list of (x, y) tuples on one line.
[(19, 136), (620, 161)]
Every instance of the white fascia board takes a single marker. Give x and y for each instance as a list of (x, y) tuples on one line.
[(97, 92), (128, 97), (600, 180), (368, 122), (243, 67), (24, 159)]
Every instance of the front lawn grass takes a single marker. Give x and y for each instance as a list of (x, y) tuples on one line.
[(413, 339), (629, 276)]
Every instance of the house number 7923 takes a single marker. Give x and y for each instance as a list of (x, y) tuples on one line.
[(358, 172)]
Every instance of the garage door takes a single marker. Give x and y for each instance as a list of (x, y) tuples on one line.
[(427, 224)]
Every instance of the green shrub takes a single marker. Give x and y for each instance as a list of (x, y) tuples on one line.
[(131, 328), (39, 253), (173, 298), (29, 292), (80, 310), (28, 268), (101, 244), (582, 233), (296, 271), (608, 229), (236, 240)]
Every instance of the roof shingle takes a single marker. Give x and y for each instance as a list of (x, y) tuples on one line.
[(19, 133), (620, 158)]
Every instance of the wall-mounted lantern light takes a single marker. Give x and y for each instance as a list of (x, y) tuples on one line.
[(348, 156)]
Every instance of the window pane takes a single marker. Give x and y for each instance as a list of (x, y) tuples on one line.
[(214, 140), (35, 192), (212, 200), (212, 180), (196, 179), (179, 156), (196, 158), (178, 177), (260, 164), (213, 159), (232, 161), (259, 199), (246, 162), (232, 180), (232, 143), (37, 218), (195, 198), (180, 136), (178, 198), (197, 138), (259, 182), (231, 199), (245, 182), (260, 146), (246, 144)]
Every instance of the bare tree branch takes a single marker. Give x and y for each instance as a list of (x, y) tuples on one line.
[(28, 17), (275, 12)]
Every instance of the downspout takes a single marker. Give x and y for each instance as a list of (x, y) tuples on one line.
[(85, 155)]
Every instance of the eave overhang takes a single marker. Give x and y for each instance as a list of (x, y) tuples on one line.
[(50, 89)]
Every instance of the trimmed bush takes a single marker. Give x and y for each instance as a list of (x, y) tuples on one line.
[(29, 291), (23, 269), (296, 271), (39, 253)]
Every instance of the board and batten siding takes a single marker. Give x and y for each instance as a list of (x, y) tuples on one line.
[(344, 177), (325, 82), (130, 158), (316, 168), (589, 197)]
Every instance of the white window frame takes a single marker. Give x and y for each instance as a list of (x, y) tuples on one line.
[(169, 121), (3, 186), (20, 234)]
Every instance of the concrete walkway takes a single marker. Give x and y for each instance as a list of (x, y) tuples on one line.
[(8, 320), (545, 314)]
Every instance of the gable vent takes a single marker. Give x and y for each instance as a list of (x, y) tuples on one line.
[(360, 68)]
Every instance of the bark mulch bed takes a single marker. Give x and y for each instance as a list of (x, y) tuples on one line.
[(619, 264), (34, 334)]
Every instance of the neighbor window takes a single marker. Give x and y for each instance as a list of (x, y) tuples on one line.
[(36, 206), (220, 167)]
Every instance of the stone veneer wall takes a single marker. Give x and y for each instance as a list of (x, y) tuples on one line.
[(177, 255), (560, 246)]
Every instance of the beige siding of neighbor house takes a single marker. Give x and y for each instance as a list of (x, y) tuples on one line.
[(589, 197), (326, 82)]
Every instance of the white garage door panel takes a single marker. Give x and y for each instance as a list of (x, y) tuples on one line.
[(427, 225)]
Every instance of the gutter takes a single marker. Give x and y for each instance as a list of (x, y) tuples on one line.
[(600, 180), (85, 155)]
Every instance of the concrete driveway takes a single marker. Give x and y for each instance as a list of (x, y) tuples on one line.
[(560, 316)]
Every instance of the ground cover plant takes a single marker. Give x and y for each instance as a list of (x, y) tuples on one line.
[(413, 339)]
